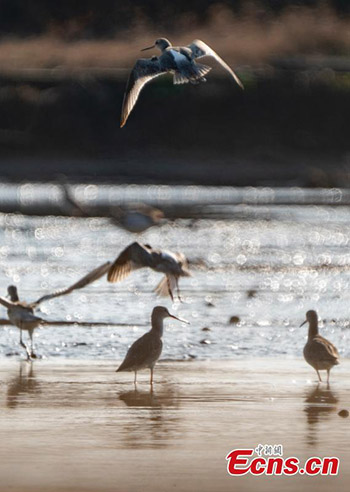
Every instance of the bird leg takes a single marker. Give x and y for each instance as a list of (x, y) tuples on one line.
[(169, 289), (24, 345), (135, 378), (177, 289), (32, 354), (328, 371), (318, 374), (151, 377)]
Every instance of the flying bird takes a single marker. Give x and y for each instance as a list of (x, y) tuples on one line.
[(137, 255), (144, 352), (320, 353), (21, 313), (134, 217), (89, 278), (178, 60)]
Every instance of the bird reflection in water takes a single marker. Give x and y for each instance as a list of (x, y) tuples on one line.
[(320, 403), (157, 423), (22, 385)]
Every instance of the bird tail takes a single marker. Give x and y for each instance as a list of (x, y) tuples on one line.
[(166, 284), (123, 367), (179, 78), (192, 74), (202, 69)]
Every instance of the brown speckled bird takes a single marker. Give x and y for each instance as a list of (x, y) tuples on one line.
[(319, 352)]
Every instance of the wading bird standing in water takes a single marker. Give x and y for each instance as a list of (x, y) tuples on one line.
[(136, 256), (180, 61), (144, 353), (319, 352), (21, 314)]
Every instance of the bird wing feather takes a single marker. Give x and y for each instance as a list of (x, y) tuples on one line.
[(145, 69), (83, 282), (323, 349), (200, 49), (166, 286), (142, 351), (27, 316), (184, 264), (131, 258), (7, 303)]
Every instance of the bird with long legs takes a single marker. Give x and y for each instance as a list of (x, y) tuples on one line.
[(319, 352), (144, 352), (21, 314), (178, 60), (137, 255)]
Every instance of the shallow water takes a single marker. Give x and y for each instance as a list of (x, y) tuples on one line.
[(265, 263), (77, 425)]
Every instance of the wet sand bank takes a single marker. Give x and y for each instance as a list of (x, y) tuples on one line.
[(77, 425)]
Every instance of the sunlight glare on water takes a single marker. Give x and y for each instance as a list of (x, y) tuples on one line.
[(266, 265)]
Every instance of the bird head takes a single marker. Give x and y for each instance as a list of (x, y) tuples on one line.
[(161, 312), (311, 317), (161, 43), (12, 293)]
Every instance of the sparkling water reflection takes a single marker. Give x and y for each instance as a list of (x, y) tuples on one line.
[(267, 265)]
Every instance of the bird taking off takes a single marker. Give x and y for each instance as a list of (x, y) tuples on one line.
[(137, 255), (21, 313), (180, 61)]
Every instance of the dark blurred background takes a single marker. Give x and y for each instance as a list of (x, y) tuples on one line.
[(64, 66)]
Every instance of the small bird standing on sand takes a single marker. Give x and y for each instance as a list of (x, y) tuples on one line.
[(21, 314), (137, 255), (144, 353), (319, 352), (181, 61)]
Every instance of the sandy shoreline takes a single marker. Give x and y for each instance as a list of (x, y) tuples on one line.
[(76, 425)]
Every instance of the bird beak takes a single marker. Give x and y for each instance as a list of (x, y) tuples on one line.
[(302, 324), (149, 48), (179, 319)]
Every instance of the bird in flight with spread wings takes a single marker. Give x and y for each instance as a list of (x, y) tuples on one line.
[(179, 60), (137, 255)]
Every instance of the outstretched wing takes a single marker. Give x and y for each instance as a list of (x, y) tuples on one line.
[(144, 70), (200, 49), (7, 303), (83, 282), (132, 258)]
